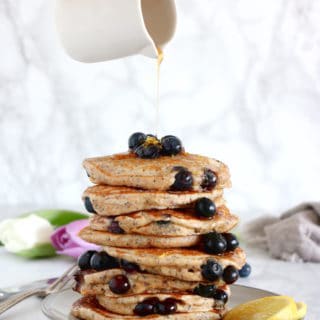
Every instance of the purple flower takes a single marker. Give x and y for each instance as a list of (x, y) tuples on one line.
[(67, 242)]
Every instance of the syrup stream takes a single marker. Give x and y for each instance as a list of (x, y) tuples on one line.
[(157, 102)]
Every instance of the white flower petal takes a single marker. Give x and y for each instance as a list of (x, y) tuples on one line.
[(25, 233)]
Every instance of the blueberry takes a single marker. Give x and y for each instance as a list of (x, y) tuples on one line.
[(168, 306), (245, 271), (221, 295), (154, 301), (146, 307), (214, 243), (230, 275), (129, 267), (171, 145), (183, 180), (205, 291), (232, 241), (209, 180), (84, 260), (205, 208), (136, 140), (211, 271), (150, 151), (150, 147), (143, 309), (119, 284), (115, 228), (102, 261), (88, 205)]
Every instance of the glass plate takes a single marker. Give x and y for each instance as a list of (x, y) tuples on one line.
[(57, 306)]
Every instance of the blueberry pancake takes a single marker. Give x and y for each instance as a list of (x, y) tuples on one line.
[(182, 172), (212, 242), (128, 282), (113, 201), (182, 303), (88, 308), (184, 264), (166, 222), (176, 257), (190, 274), (105, 238)]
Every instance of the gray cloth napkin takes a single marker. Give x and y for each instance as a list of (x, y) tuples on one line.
[(294, 236)]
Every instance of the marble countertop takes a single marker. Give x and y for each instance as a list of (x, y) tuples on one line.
[(240, 82), (294, 279)]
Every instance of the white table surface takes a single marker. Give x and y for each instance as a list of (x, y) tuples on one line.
[(302, 281)]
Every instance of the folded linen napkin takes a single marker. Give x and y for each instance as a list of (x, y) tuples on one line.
[(294, 236)]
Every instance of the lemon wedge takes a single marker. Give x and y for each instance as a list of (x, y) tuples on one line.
[(301, 310), (268, 308)]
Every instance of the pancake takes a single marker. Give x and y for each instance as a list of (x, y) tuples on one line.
[(127, 169), (183, 264), (88, 308), (167, 222), (176, 257), (104, 238), (97, 283), (189, 274), (185, 302), (113, 201)]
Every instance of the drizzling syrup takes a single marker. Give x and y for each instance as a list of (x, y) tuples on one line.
[(159, 61)]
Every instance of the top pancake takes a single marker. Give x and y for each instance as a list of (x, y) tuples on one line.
[(126, 169)]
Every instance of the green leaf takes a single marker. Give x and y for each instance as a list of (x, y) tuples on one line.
[(45, 250), (58, 218)]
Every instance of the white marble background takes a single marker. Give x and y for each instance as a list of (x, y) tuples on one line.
[(240, 82)]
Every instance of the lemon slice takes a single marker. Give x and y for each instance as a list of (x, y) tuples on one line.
[(301, 310), (268, 308)]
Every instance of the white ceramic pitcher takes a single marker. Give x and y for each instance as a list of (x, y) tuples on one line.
[(100, 30)]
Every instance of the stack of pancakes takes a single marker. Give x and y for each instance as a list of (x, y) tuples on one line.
[(154, 233)]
